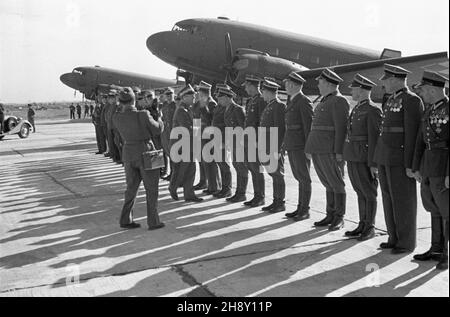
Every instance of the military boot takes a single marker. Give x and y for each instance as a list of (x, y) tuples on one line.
[(279, 206), (362, 209), (330, 210), (338, 220), (443, 262), (268, 208), (437, 242)]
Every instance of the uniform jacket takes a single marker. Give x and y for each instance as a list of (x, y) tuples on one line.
[(254, 109), (364, 126), (329, 126), (431, 152), (298, 118), (183, 118), (103, 115), (402, 114), (96, 115), (136, 129), (273, 117), (168, 111), (218, 120)]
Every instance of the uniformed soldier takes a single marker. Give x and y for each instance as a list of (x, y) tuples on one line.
[(206, 106), (362, 135), (254, 109), (273, 117), (79, 111), (167, 111), (325, 145), (118, 142), (72, 112), (136, 128), (175, 166), (394, 155), (30, 116), (112, 102), (218, 121), (86, 111), (186, 173), (234, 117), (103, 123), (431, 164), (99, 133), (298, 117), (91, 109), (2, 117)]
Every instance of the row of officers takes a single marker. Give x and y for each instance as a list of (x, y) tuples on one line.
[(395, 147)]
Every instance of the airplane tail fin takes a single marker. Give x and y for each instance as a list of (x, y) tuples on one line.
[(388, 53)]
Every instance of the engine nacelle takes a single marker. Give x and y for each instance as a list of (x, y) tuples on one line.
[(262, 66)]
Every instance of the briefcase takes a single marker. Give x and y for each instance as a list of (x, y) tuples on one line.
[(153, 160)]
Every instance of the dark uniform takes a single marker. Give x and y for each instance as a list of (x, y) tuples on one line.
[(273, 117), (110, 130), (209, 172), (2, 118), (432, 160), (137, 129), (31, 114), (185, 175), (79, 111), (234, 117), (298, 117), (99, 133), (86, 110), (91, 110), (104, 125), (254, 109), (394, 154), (362, 135), (325, 141), (218, 121), (72, 112), (167, 111)]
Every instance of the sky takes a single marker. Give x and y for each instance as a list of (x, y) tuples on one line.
[(42, 39)]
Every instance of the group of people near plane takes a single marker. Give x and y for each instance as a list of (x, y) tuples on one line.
[(404, 142)]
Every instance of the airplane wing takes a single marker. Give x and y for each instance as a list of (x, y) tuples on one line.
[(373, 70)]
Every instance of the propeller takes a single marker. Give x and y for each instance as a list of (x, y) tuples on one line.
[(230, 59)]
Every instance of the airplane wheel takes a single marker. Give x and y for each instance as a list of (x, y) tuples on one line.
[(24, 131)]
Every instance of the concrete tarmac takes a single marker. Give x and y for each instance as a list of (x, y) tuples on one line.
[(59, 236)]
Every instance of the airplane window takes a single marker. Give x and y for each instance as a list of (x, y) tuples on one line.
[(187, 28)]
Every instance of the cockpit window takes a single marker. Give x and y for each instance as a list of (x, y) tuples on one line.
[(187, 28), (78, 71)]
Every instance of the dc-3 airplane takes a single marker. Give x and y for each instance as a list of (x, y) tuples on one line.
[(202, 49), (93, 80)]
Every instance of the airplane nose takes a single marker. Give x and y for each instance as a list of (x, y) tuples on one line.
[(157, 43), (69, 79)]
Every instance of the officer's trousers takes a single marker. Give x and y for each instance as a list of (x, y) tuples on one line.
[(185, 178), (278, 183), (365, 187), (101, 140), (301, 167), (400, 206), (436, 201), (225, 172), (113, 150), (257, 171), (134, 174), (241, 175)]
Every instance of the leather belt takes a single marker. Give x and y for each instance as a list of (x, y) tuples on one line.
[(437, 145), (134, 142), (294, 127), (392, 129), (322, 128), (358, 138)]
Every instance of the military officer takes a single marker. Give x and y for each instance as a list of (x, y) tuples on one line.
[(234, 117), (218, 121), (273, 117), (254, 108), (79, 111), (167, 111), (298, 119), (362, 135), (72, 112), (205, 111), (136, 128), (431, 164), (325, 145), (99, 133), (394, 155), (112, 102), (30, 116), (186, 170), (103, 121)]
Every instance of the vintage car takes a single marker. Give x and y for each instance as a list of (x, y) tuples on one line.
[(16, 125)]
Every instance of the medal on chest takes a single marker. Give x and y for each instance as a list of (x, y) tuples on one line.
[(395, 105)]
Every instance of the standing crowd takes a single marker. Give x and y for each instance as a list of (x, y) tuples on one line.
[(404, 142)]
